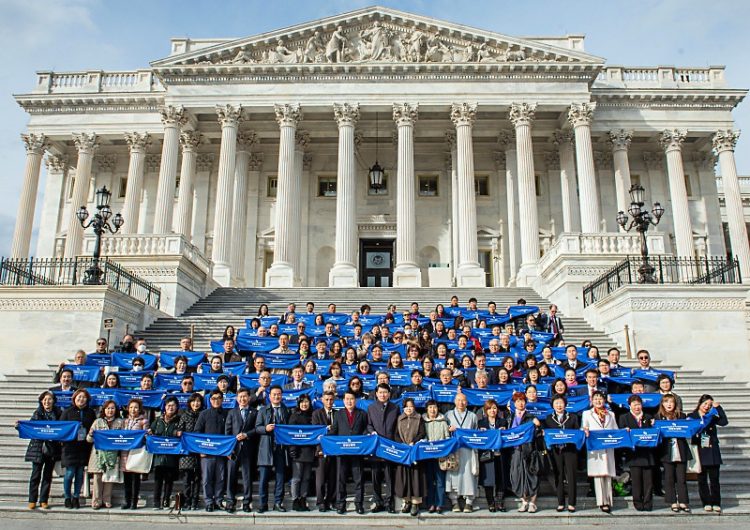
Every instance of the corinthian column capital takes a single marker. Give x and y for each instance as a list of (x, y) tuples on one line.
[(346, 114), (405, 113), (246, 140), (172, 116), (506, 139), (562, 137), (85, 142), (138, 142), (620, 139), (190, 140), (57, 162), (463, 113), (725, 140), (581, 114), (672, 139), (522, 113), (288, 114), (302, 139), (35, 143), (229, 116)]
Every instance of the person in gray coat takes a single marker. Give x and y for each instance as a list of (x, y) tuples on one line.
[(271, 457), (241, 424)]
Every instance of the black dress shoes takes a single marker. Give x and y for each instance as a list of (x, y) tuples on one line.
[(247, 508), (262, 509), (341, 510), (378, 508), (360, 509), (278, 508)]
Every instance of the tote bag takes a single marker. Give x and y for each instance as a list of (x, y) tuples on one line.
[(139, 461)]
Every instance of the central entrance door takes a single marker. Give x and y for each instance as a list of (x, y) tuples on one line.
[(376, 262)]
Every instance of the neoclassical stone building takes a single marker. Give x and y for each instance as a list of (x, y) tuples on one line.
[(506, 159)]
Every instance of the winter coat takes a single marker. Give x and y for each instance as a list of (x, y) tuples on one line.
[(35, 451), (76, 453), (163, 428), (711, 455), (100, 425), (301, 453), (186, 423)]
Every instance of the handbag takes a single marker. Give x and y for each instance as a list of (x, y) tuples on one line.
[(694, 465), (534, 465), (486, 456), (448, 463), (113, 475), (139, 461)]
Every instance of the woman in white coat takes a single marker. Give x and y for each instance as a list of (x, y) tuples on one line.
[(463, 481), (600, 464)]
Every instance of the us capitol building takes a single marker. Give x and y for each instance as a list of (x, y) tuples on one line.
[(380, 148)]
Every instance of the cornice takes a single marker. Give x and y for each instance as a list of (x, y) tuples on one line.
[(698, 99), (89, 103)]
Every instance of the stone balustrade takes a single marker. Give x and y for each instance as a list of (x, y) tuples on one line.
[(97, 81), (608, 243), (660, 77)]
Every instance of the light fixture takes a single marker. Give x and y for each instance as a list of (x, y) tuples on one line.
[(376, 172), (657, 211), (102, 197), (82, 214), (622, 218), (636, 194)]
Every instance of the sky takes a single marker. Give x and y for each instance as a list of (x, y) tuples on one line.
[(65, 35)]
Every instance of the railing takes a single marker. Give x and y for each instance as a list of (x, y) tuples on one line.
[(660, 77), (667, 270), (97, 81), (72, 271)]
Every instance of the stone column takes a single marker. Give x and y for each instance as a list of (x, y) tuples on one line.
[(254, 166), (137, 145), (302, 140), (507, 140), (229, 118), (469, 273), (724, 142), (245, 141), (451, 168), (580, 116), (173, 118), (671, 140), (49, 224), (406, 273), (35, 145), (189, 140), (620, 141), (521, 115), (203, 167), (86, 144), (281, 272), (563, 139)]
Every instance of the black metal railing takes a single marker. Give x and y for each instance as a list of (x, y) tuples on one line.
[(72, 271), (667, 270)]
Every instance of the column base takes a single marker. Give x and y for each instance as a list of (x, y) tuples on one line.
[(407, 276), (470, 275), (343, 275), (222, 274), (280, 275), (527, 275)]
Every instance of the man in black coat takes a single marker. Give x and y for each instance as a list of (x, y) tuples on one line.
[(241, 424), (350, 421), (271, 456), (213, 421), (325, 473), (381, 419)]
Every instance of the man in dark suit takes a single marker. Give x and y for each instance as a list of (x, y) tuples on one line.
[(213, 421), (381, 419), (298, 379), (552, 323), (571, 358), (241, 424), (271, 457), (350, 421), (480, 363), (258, 398), (592, 385), (325, 473)]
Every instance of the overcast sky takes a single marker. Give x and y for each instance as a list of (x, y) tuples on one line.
[(64, 35)]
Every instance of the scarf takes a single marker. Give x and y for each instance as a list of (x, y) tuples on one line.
[(107, 460), (601, 414)]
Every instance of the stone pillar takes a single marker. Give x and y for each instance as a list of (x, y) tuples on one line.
[(580, 116), (203, 167), (521, 115), (173, 118), (620, 141), (137, 144), (302, 140), (563, 139), (254, 166), (406, 273), (281, 272), (245, 141), (49, 222), (507, 140), (35, 144), (468, 273), (189, 140), (724, 142), (671, 140), (86, 144), (230, 118), (450, 166)]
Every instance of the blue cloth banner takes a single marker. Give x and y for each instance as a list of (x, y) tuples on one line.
[(363, 445), (495, 359), (488, 440), (118, 440), (235, 368), (542, 337), (208, 444), (471, 314), (444, 393), (539, 409), (282, 361), (394, 452), (452, 311), (477, 398), (516, 311), (151, 399), (645, 437), (182, 398), (289, 329), (98, 359), (299, 434), (652, 375), (205, 381), (335, 318), (391, 347), (290, 397), (83, 372), (54, 431), (229, 401), (315, 331), (168, 381), (64, 398), (371, 320), (649, 400), (678, 428), (564, 437), (125, 360), (307, 318), (251, 380), (617, 380), (100, 395), (194, 358), (420, 397), (268, 320), (256, 344), (131, 379), (399, 377), (495, 320), (163, 445), (608, 439), (520, 435), (425, 450), (217, 346)]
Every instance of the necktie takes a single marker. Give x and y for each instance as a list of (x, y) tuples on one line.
[(276, 415), (243, 413), (330, 417)]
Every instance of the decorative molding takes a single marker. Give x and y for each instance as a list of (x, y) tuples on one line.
[(86, 142), (106, 162), (255, 162), (551, 160), (229, 116), (620, 139), (653, 160), (35, 144), (153, 162), (172, 116), (581, 114), (563, 137), (603, 159), (205, 161), (51, 304), (506, 139), (463, 114), (246, 140), (302, 140), (672, 139), (498, 158), (450, 138), (592, 271), (725, 140), (190, 140), (687, 304), (138, 142), (288, 115), (307, 159), (57, 163), (522, 114), (346, 114), (405, 113)]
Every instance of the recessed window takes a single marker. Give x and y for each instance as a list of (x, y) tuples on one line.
[(482, 185), (538, 184), (72, 186), (177, 187), (123, 187), (272, 185), (326, 186), (428, 186)]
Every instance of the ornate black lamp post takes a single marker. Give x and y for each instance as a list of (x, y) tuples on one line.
[(641, 221), (376, 172), (101, 224)]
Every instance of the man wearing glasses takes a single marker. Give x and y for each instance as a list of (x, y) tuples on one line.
[(258, 398), (101, 346)]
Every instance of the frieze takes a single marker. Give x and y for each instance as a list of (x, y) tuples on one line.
[(51, 304), (688, 304)]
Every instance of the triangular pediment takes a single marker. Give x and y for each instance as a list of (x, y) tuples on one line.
[(378, 35)]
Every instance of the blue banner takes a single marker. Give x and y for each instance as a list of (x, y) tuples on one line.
[(444, 393), (335, 318), (307, 318), (290, 397), (182, 398), (118, 440), (217, 346), (235, 368), (399, 377), (315, 331), (100, 395), (425, 450), (163, 445), (420, 397), (520, 435), (651, 375), (168, 381), (251, 380), (452, 311), (371, 320), (487, 440), (125, 360), (649, 400), (255, 344), (299, 434), (645, 437), (289, 329), (194, 358), (205, 381), (678, 428), (564, 437), (275, 361), (151, 399), (130, 379), (54, 431), (268, 320), (577, 404), (229, 401), (394, 452), (98, 359), (516, 311), (64, 398), (208, 444), (477, 398), (608, 439), (471, 314), (83, 372), (363, 445)]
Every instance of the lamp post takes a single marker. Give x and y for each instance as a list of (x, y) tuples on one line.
[(376, 172), (101, 224), (642, 220)]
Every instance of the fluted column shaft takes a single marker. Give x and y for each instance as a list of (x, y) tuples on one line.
[(580, 116), (137, 144), (724, 143), (302, 139), (508, 142), (671, 141), (189, 140), (86, 144), (230, 118), (406, 218), (452, 168), (173, 118), (239, 211), (35, 144), (467, 234), (522, 116), (620, 142), (568, 180)]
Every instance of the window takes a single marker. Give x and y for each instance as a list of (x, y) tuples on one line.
[(123, 187), (538, 184), (177, 187), (326, 186), (428, 186), (72, 181), (482, 185), (272, 185)]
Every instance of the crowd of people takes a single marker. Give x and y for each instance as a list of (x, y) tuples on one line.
[(406, 377)]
